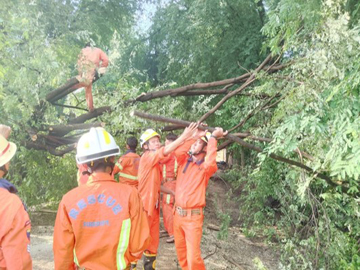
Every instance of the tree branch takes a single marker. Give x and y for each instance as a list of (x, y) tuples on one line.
[(182, 90), (249, 81), (61, 130), (68, 106)]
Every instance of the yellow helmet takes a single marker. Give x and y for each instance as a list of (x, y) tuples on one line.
[(7, 151), (96, 144), (206, 137), (147, 135)]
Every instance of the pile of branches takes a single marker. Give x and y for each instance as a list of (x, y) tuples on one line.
[(54, 139)]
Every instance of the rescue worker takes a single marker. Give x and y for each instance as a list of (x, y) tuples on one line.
[(100, 225), (150, 183), (193, 177), (169, 170), (15, 223), (128, 165), (90, 61)]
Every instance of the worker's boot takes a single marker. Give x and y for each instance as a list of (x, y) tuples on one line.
[(133, 266), (149, 261)]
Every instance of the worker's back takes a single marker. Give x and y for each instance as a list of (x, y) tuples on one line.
[(106, 222), (91, 57), (14, 232), (127, 167)]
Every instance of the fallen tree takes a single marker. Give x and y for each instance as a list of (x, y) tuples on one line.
[(240, 141)]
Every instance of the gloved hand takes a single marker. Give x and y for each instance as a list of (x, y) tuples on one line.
[(102, 70)]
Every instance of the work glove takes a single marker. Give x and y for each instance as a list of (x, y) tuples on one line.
[(102, 70)]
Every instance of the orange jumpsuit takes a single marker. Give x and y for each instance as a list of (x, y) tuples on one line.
[(100, 225), (169, 173), (88, 61), (83, 174), (127, 167), (149, 190), (191, 183), (15, 229)]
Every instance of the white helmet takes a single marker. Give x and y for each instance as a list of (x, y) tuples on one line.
[(7, 151), (96, 144), (147, 135)]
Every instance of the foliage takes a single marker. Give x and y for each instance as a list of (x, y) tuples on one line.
[(197, 41), (318, 113)]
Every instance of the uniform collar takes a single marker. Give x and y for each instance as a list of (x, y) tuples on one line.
[(130, 151), (190, 159), (101, 176), (8, 186)]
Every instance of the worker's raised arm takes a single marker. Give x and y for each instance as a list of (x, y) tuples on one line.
[(188, 132), (210, 158)]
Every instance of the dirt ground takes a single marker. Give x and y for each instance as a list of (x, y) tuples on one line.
[(236, 252)]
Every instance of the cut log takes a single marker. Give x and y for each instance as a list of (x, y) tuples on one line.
[(59, 92), (51, 150)]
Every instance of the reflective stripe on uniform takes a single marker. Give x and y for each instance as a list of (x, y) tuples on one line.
[(119, 165), (164, 172), (78, 177), (168, 197), (175, 167), (75, 258), (123, 244), (129, 176)]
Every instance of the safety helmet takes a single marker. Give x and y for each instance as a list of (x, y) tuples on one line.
[(7, 151), (147, 135), (96, 144), (206, 137)]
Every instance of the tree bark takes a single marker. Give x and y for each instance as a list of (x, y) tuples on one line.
[(59, 92)]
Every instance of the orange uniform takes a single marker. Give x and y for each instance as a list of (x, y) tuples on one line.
[(127, 167), (89, 59), (15, 229), (83, 174), (169, 173), (100, 225), (149, 190), (169, 167), (191, 183)]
